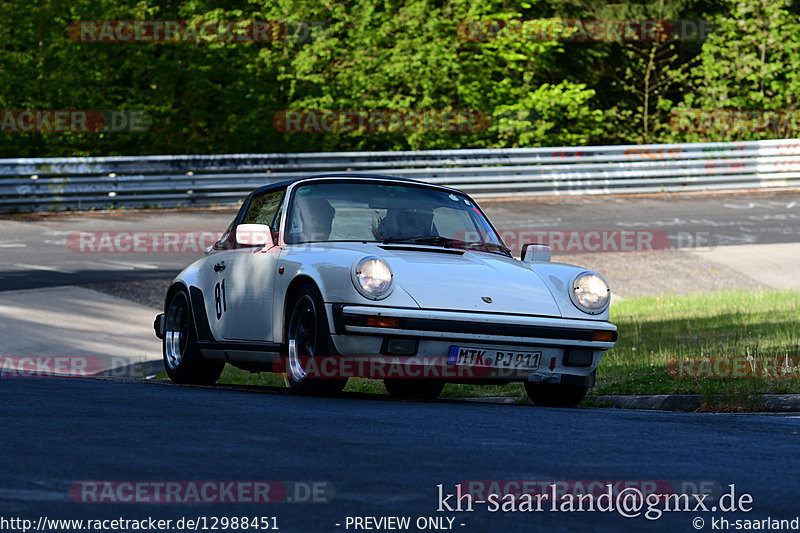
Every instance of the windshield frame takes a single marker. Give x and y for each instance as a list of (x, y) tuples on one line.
[(290, 197)]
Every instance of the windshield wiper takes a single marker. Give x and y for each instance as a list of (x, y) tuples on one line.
[(489, 247), (450, 243), (424, 239)]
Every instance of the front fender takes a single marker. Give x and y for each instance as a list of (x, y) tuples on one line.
[(558, 276), (190, 280), (329, 270)]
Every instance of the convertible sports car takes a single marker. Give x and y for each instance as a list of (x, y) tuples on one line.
[(328, 277)]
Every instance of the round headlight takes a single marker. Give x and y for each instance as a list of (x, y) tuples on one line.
[(590, 293), (373, 278)]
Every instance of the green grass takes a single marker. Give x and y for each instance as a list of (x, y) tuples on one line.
[(654, 330)]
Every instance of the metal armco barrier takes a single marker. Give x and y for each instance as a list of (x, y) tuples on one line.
[(196, 180)]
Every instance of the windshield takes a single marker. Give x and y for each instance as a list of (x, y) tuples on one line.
[(402, 214)]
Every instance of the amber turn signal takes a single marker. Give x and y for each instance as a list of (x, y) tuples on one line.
[(603, 335), (382, 322)]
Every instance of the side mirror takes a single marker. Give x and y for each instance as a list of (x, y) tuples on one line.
[(253, 235), (532, 253)]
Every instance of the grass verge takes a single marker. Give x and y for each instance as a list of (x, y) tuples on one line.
[(657, 333)]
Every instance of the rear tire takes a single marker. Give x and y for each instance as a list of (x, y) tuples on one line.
[(414, 389), (308, 336), (555, 395), (182, 358)]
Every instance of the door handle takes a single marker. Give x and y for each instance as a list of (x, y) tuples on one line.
[(219, 266)]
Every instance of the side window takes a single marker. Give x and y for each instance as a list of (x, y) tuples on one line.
[(278, 220), (263, 208), (226, 241)]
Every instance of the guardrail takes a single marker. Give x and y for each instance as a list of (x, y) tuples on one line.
[(196, 180)]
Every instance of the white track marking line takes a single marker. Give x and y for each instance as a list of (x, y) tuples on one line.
[(128, 265), (60, 270)]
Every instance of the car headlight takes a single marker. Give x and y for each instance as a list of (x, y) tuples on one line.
[(373, 278), (590, 293)]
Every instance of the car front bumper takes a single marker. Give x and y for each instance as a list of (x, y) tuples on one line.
[(365, 331)]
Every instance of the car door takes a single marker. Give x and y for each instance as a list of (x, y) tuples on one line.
[(211, 277), (246, 287)]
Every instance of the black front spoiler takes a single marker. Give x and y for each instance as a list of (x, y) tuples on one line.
[(158, 325)]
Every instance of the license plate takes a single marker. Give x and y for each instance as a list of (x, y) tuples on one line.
[(490, 357)]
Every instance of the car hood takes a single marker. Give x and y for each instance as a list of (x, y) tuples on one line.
[(472, 281)]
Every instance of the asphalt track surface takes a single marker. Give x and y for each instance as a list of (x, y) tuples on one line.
[(382, 458)]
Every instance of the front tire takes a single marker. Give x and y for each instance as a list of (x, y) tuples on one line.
[(182, 358), (555, 395), (414, 389), (308, 337)]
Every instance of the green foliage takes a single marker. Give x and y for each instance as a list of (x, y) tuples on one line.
[(222, 96), (556, 115), (746, 84)]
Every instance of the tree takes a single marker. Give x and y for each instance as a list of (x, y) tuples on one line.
[(746, 85)]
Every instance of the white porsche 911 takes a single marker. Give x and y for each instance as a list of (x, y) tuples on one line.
[(328, 277)]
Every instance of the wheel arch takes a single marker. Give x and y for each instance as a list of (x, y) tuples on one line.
[(174, 287), (196, 304), (294, 285)]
